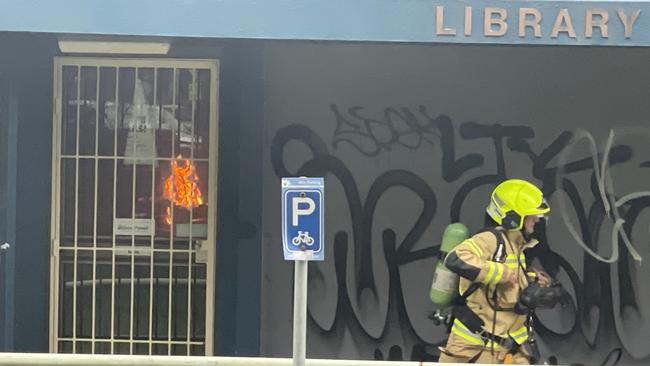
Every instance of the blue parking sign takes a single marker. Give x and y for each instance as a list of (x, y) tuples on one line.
[(302, 218)]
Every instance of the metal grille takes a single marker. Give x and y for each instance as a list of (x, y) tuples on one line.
[(133, 206)]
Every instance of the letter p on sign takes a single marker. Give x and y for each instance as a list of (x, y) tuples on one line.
[(301, 211)]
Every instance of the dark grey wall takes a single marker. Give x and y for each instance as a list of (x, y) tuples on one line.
[(413, 137), (4, 124), (4, 203), (239, 231), (28, 84), (33, 192)]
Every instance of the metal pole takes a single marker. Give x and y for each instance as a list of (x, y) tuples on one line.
[(300, 313)]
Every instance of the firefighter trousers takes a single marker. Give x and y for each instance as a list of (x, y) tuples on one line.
[(460, 350)]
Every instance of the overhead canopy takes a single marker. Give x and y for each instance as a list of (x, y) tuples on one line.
[(611, 23)]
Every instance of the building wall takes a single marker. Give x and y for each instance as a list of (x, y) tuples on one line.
[(27, 71), (410, 138), (413, 137), (239, 231), (4, 152)]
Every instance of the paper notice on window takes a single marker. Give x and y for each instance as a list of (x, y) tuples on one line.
[(132, 251), (129, 226)]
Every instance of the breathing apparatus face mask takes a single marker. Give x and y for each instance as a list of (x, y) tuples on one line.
[(543, 218), (536, 296), (537, 229), (541, 224)]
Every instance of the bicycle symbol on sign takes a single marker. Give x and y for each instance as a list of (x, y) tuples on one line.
[(302, 237)]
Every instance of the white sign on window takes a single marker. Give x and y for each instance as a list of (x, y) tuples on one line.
[(133, 251), (131, 226)]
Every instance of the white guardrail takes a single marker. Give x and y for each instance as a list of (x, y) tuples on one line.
[(48, 359)]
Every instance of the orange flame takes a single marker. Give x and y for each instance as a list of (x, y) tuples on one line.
[(181, 187), (168, 216)]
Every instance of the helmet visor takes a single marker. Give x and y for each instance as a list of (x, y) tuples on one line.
[(544, 208)]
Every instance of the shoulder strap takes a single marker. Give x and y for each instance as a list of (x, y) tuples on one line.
[(500, 251)]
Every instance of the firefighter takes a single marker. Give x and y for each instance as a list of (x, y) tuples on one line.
[(486, 327)]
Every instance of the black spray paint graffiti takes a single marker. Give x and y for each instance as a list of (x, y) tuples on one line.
[(594, 291), (371, 136)]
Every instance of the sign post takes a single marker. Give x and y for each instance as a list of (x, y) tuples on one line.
[(302, 238)]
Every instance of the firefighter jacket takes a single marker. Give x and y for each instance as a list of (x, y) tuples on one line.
[(473, 261)]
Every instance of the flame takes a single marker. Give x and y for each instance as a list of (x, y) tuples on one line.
[(181, 187), (168, 216)]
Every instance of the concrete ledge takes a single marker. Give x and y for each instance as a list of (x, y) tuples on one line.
[(42, 359)]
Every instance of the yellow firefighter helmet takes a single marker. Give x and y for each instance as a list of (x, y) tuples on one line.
[(514, 199)]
